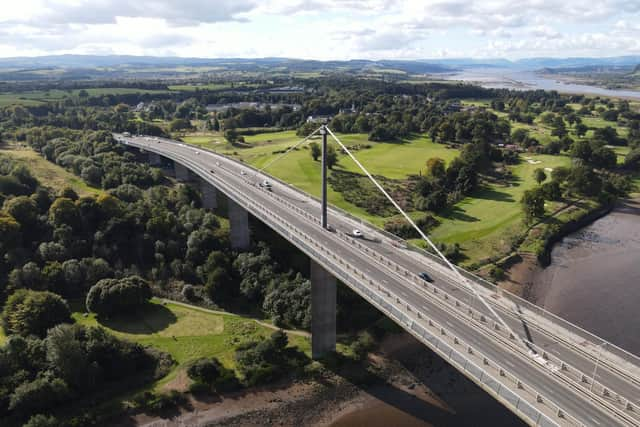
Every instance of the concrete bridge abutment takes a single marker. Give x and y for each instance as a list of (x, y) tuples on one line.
[(323, 311), (239, 221)]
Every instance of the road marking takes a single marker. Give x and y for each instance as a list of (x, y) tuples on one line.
[(595, 421)]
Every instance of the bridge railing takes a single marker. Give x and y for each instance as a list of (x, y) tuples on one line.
[(533, 405), (398, 315), (624, 362), (624, 357), (543, 412), (605, 395)]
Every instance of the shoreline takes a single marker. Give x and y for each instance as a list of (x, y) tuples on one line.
[(591, 280), (413, 388)]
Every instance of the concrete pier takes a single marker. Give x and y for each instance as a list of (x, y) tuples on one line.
[(182, 173), (239, 220), (154, 159), (323, 311), (209, 195)]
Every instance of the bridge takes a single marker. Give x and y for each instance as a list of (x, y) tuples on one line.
[(546, 370)]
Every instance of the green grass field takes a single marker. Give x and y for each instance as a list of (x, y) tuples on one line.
[(49, 174), (486, 223), (394, 160), (32, 98), (483, 224), (186, 332)]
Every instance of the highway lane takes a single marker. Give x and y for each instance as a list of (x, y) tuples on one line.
[(568, 399), (544, 340)]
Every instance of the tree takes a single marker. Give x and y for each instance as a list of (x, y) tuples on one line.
[(316, 152), (532, 204), (332, 156), (23, 209), (583, 180), (64, 212), (436, 167), (92, 175), (41, 394), (581, 129), (32, 312), (10, 232), (112, 296), (551, 190), (539, 175)]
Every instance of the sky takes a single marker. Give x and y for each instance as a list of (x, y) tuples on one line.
[(322, 29)]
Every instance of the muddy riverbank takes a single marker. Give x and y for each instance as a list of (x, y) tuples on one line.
[(594, 277), (415, 388)]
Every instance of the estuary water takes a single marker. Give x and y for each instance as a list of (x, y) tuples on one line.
[(505, 78), (594, 277)]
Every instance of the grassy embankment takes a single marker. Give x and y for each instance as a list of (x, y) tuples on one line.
[(49, 174), (186, 332)]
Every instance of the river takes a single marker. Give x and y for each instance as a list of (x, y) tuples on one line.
[(594, 277), (530, 80)]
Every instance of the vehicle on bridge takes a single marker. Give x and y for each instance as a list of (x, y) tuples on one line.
[(424, 276), (266, 184)]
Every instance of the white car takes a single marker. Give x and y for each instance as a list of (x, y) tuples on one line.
[(266, 184), (357, 233), (243, 173), (197, 153)]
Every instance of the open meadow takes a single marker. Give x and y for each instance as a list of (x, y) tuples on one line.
[(186, 332)]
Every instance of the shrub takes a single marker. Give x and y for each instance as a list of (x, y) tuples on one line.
[(111, 296), (40, 394), (32, 312), (40, 420)]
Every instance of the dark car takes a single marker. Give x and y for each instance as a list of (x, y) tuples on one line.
[(424, 276)]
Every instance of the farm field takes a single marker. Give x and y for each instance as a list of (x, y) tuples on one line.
[(33, 98), (48, 173), (186, 332)]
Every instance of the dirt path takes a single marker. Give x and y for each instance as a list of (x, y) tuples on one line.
[(297, 332)]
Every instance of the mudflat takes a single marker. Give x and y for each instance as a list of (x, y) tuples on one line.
[(594, 277)]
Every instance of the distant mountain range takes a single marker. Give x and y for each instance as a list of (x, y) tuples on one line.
[(423, 66)]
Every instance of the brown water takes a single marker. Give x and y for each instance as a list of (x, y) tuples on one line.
[(439, 396), (594, 277)]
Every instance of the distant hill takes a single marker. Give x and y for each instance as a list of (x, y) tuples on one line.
[(110, 65), (241, 64)]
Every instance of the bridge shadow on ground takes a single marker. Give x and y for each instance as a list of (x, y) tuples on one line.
[(467, 404), (149, 319)]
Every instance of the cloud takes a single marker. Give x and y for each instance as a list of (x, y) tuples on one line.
[(182, 12), (323, 29)]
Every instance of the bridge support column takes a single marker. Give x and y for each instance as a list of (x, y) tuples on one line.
[(154, 159), (209, 195), (239, 220), (323, 311), (182, 173)]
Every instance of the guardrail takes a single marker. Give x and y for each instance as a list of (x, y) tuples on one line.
[(398, 316), (569, 372), (593, 353)]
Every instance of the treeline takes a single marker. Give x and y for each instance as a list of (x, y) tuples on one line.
[(66, 244)]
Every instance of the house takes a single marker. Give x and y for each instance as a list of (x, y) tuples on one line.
[(319, 119)]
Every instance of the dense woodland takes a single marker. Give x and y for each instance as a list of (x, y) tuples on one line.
[(145, 235)]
